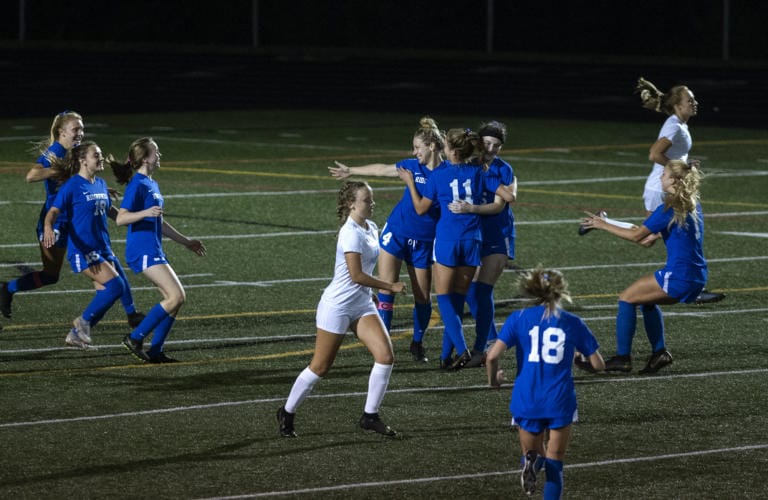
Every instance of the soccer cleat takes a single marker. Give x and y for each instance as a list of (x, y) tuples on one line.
[(445, 364), (477, 360), (657, 361), (285, 423), (584, 230), (618, 364), (161, 358), (135, 347), (6, 298), (83, 329), (583, 363), (705, 297), (461, 361), (417, 350), (372, 422), (528, 474), (74, 340), (135, 319)]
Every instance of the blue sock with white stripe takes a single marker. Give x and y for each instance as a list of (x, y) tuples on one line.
[(654, 326), (626, 323), (150, 322)]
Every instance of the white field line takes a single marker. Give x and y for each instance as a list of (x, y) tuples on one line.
[(287, 234), (412, 390), (751, 235), (481, 475), (704, 313), (267, 283)]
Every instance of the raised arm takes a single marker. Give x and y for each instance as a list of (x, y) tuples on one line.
[(634, 234), (342, 171)]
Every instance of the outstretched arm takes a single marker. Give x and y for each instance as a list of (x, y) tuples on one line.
[(342, 171), (38, 173), (634, 234)]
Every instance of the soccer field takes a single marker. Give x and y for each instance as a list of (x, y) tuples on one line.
[(254, 187)]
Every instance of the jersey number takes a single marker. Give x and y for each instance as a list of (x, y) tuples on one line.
[(467, 185), (552, 345)]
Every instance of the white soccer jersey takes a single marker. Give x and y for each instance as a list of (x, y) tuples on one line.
[(677, 133), (352, 238)]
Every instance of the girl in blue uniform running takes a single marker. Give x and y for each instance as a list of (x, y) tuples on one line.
[(67, 130), (457, 235), (142, 211), (498, 230), (680, 222), (85, 201), (408, 236), (545, 338)]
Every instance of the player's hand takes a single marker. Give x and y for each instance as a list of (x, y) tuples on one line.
[(399, 287), (340, 171), (114, 193), (593, 221), (460, 207), (154, 211), (405, 175), (197, 247), (500, 377)]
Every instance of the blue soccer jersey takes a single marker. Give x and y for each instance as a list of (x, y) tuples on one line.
[(403, 220), (146, 235), (55, 150), (685, 245), (499, 226), (86, 204), (544, 385), (458, 183)]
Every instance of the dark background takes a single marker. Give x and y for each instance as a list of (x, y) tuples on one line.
[(549, 58)]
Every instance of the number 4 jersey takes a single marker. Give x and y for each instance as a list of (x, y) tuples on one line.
[(545, 348)]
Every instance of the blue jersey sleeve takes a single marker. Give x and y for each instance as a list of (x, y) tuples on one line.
[(659, 220)]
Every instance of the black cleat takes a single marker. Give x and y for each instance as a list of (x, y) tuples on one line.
[(372, 422), (6, 298), (135, 319), (528, 474), (707, 297), (584, 230), (582, 363), (477, 360), (161, 358), (445, 364), (618, 364), (461, 361), (657, 361), (417, 350), (285, 423), (136, 348)]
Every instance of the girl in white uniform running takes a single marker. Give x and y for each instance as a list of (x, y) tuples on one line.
[(347, 304)]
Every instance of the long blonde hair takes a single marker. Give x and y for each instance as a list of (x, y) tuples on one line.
[(546, 287), (685, 198), (429, 133)]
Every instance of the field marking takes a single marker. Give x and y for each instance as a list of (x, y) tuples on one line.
[(481, 475), (608, 379), (736, 233)]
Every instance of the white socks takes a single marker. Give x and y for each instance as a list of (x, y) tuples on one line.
[(377, 386), (302, 388)]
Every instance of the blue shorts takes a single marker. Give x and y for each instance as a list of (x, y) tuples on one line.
[(79, 262), (59, 229), (681, 290), (455, 253), (143, 262), (416, 253), (537, 425), (504, 246)]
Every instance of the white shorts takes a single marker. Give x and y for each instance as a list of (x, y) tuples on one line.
[(335, 319), (653, 199)]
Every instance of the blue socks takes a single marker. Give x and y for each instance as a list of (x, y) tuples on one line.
[(654, 326), (386, 306), (103, 300), (150, 322), (553, 488), (31, 281), (626, 322), (480, 301), (161, 333), (421, 316), (451, 306), (126, 298)]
